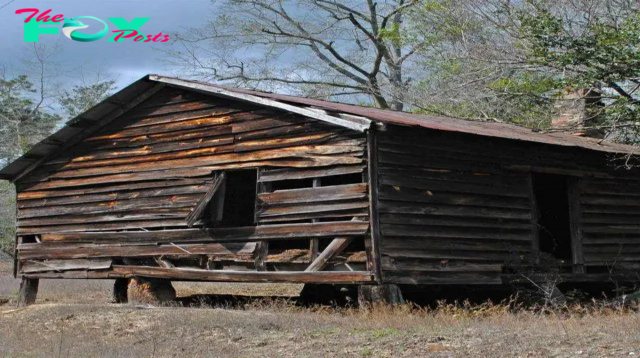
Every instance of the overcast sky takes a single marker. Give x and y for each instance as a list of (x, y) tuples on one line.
[(126, 60)]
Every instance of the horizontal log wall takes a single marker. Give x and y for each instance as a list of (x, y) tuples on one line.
[(610, 216), (457, 208), (148, 170), (448, 217)]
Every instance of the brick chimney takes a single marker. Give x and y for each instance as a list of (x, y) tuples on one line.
[(577, 111)]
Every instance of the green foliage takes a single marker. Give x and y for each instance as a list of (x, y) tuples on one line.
[(604, 55), (7, 216), (81, 98), (515, 61), (23, 122)]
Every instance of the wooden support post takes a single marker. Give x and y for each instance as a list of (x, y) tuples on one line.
[(334, 249), (575, 223), (262, 251), (379, 294), (535, 216), (120, 287), (315, 243), (149, 290), (262, 247), (374, 218), (28, 291)]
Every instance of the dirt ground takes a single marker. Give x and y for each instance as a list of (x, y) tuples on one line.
[(75, 319)]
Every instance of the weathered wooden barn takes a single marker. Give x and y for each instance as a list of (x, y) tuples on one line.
[(184, 180)]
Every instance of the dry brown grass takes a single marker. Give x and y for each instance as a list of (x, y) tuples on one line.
[(278, 328)]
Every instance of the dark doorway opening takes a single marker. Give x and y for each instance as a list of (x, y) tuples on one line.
[(554, 227), (234, 203)]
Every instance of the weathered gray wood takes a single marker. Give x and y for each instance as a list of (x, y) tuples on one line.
[(64, 265), (315, 194), (351, 123), (413, 264), (331, 251), (374, 203), (289, 173), (314, 244), (244, 276), (80, 250), (162, 262), (199, 210), (249, 233), (102, 123), (442, 278)]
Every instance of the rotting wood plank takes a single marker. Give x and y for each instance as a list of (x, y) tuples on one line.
[(454, 232), (413, 264), (301, 161), (272, 175), (121, 178), (250, 233), (312, 153), (291, 209), (317, 194), (439, 185), (452, 210), (165, 128), (30, 266), (398, 193), (112, 196), (110, 152), (88, 131), (148, 214), (332, 250), (361, 213), (405, 243), (245, 276), (179, 152), (198, 211), (81, 251), (359, 125), (33, 195), (446, 278), (174, 201), (506, 257), (374, 204), (89, 225), (459, 222)]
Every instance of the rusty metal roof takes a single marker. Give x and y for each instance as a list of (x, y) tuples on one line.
[(346, 115), (447, 124)]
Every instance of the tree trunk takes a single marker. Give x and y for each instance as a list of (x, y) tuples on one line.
[(28, 291), (153, 291), (379, 294), (120, 290)]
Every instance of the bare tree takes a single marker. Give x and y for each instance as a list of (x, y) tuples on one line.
[(321, 48)]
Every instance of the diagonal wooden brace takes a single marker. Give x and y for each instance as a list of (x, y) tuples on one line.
[(334, 249)]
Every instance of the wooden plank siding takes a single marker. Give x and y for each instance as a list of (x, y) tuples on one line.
[(145, 174), (458, 208), (610, 216)]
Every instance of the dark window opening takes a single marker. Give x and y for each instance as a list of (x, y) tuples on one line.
[(28, 239), (234, 202), (552, 201), (354, 178), (291, 184)]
